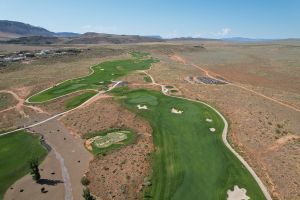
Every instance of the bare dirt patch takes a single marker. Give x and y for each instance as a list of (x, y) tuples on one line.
[(119, 174), (178, 59)]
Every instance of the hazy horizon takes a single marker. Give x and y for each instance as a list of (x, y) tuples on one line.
[(169, 19)]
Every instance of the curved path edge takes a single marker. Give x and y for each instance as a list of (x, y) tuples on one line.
[(224, 137), (164, 91)]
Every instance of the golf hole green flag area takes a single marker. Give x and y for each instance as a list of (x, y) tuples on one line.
[(190, 160), (101, 77)]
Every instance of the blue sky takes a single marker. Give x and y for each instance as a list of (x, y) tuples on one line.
[(168, 18)]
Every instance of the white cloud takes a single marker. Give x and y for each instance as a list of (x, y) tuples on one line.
[(223, 32)]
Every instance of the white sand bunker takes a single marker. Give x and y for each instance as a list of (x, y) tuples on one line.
[(212, 129), (237, 194), (144, 107), (175, 111), (209, 120), (102, 69)]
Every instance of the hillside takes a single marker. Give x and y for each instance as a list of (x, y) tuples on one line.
[(12, 32), (98, 38), (22, 29), (13, 29)]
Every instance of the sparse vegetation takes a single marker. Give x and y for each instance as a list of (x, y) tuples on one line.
[(87, 194), (85, 181)]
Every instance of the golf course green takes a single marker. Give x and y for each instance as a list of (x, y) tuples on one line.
[(190, 161), (15, 152), (79, 99), (130, 138), (102, 75)]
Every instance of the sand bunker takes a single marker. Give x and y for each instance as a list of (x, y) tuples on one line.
[(144, 107), (175, 111), (102, 69), (212, 129), (237, 194), (107, 140), (209, 120)]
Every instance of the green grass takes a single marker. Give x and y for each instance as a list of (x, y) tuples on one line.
[(78, 100), (147, 79), (131, 138), (190, 162), (16, 149), (103, 75)]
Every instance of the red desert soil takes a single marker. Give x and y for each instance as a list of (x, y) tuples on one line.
[(119, 174), (264, 130), (178, 59)]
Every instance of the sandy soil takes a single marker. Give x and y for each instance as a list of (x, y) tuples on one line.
[(254, 121), (51, 181), (76, 158), (119, 174)]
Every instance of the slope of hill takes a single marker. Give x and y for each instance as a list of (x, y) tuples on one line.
[(98, 38), (22, 29), (35, 40), (13, 29), (12, 32)]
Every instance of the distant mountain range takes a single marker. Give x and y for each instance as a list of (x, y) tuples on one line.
[(242, 39), (13, 32), (21, 29)]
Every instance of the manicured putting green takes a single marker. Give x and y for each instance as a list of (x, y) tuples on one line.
[(15, 152), (190, 161), (108, 140), (102, 76), (80, 99)]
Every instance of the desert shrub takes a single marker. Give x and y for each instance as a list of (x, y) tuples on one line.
[(85, 181)]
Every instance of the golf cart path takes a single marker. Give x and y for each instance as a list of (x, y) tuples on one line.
[(63, 156), (164, 91), (224, 137), (19, 106)]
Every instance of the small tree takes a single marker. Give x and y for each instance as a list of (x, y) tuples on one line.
[(85, 181), (34, 169), (87, 195)]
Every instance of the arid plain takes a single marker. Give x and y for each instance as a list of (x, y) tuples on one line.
[(259, 96)]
